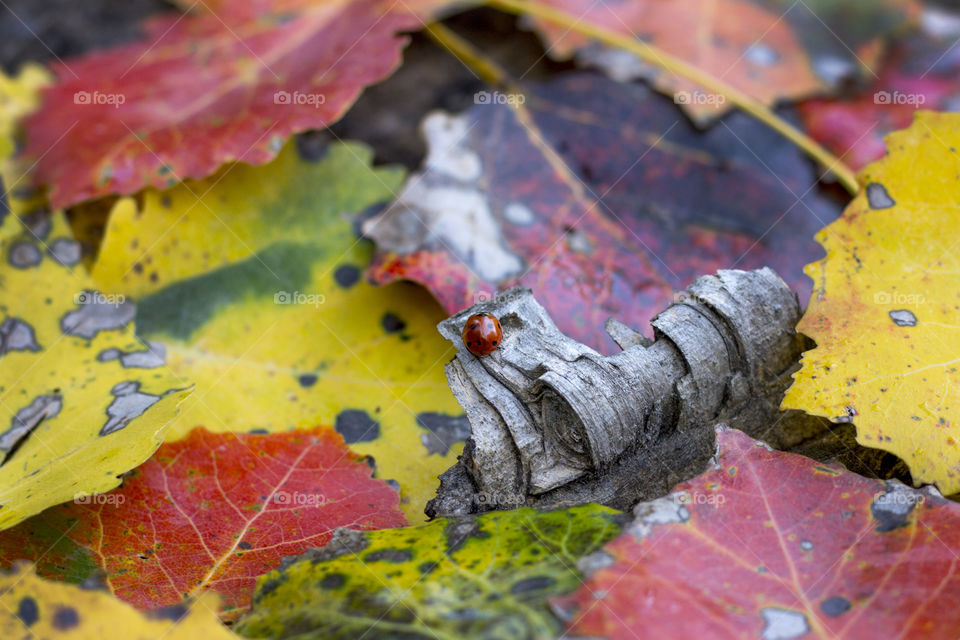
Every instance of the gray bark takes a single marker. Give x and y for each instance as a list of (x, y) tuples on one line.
[(554, 423)]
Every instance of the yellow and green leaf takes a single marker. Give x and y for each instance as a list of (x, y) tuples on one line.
[(486, 576), (253, 281)]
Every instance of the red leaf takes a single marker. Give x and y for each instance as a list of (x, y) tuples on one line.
[(206, 89), (211, 511), (603, 199), (922, 73), (770, 544)]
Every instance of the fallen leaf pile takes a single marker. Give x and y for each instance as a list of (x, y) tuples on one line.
[(223, 406)]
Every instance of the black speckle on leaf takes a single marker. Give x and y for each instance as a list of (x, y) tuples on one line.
[(65, 618), (174, 613), (307, 380), (27, 611), (356, 425), (389, 555), (531, 584), (333, 581), (245, 545), (392, 323), (835, 606), (346, 275)]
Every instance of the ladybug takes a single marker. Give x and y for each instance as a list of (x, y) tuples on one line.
[(482, 334)]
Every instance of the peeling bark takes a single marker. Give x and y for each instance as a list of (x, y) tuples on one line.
[(554, 423)]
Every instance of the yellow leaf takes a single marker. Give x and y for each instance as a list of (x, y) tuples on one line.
[(82, 401), (884, 311), (253, 280), (40, 609)]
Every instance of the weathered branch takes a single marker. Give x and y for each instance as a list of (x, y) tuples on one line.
[(555, 423)]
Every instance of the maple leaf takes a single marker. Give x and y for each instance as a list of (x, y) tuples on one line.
[(209, 512), (227, 84), (43, 609), (487, 576), (601, 198), (768, 49), (884, 309), (257, 294), (775, 545), (919, 74)]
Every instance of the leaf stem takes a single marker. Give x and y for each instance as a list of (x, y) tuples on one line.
[(488, 70), (655, 56)]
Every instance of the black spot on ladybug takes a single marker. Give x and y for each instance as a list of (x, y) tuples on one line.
[(312, 146), (355, 425), (27, 611), (245, 545), (392, 323), (307, 380), (835, 606), (65, 618), (346, 275), (877, 196)]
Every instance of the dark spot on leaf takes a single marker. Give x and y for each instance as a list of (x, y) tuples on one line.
[(531, 584), (427, 568), (307, 380), (346, 275), (356, 425), (65, 618), (312, 145), (835, 606), (333, 581), (174, 613), (390, 555), (27, 611), (459, 531), (392, 323), (444, 430), (245, 545), (877, 196)]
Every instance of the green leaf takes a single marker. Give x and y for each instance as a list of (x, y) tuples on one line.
[(487, 576)]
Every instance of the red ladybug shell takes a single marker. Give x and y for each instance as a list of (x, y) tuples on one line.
[(482, 334)]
